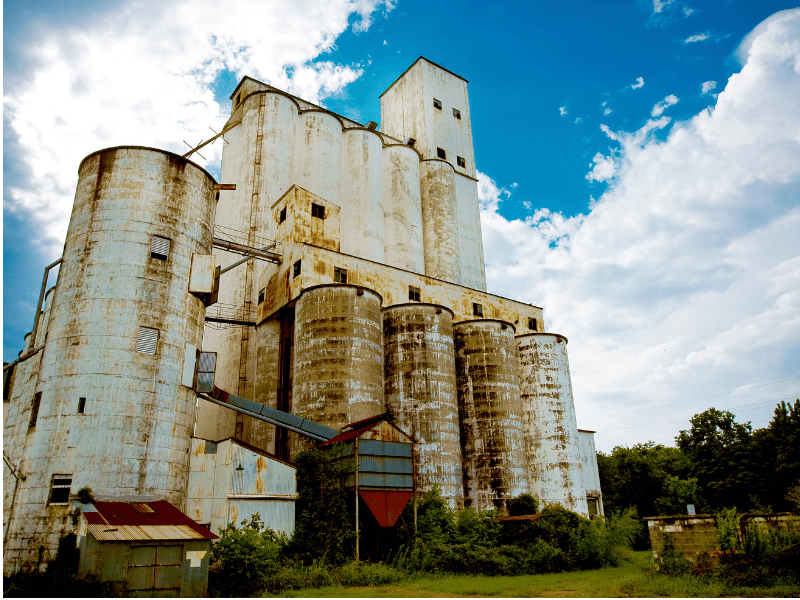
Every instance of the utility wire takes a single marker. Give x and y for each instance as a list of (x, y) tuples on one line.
[(700, 398)]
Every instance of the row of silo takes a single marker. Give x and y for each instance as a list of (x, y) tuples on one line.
[(108, 409), (491, 412), (395, 209)]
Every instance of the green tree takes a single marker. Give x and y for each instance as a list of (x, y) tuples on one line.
[(723, 459), (324, 524), (779, 447), (677, 493), (635, 477), (244, 557)]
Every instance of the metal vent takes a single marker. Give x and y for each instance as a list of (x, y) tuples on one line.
[(148, 339), (37, 400), (207, 362), (159, 247)]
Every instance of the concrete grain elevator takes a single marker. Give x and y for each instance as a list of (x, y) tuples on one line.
[(356, 288)]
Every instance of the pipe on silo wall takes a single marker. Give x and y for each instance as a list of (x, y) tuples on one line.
[(318, 155), (490, 411), (551, 429), (338, 357), (420, 391), (119, 324), (439, 220), (362, 210), (402, 203)]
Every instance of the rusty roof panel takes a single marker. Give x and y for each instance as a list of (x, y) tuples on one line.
[(146, 519), (118, 533)]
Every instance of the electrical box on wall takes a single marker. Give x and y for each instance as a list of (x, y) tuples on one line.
[(204, 278)]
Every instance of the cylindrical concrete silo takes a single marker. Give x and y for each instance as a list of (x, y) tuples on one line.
[(420, 391), (551, 428), (489, 405), (120, 320), (439, 219), (361, 216), (318, 155), (402, 204), (338, 357)]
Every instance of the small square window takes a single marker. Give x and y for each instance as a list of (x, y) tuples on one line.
[(297, 266), (437, 104), (282, 215), (159, 247), (81, 405), (262, 294), (441, 153), (59, 489), (147, 341), (461, 162), (238, 99), (457, 114), (37, 400), (339, 275), (532, 323), (477, 309), (318, 211), (413, 293)]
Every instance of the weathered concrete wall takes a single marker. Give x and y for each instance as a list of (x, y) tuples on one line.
[(338, 357), (551, 429), (471, 268), (420, 391), (362, 200), (694, 534), (494, 462), (133, 436), (219, 492), (402, 204), (591, 473), (392, 284), (440, 220)]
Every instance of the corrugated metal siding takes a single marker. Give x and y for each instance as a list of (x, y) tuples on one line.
[(116, 533)]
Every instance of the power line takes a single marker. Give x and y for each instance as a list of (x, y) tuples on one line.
[(755, 404), (700, 398)]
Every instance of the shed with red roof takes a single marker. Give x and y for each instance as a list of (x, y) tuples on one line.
[(147, 548)]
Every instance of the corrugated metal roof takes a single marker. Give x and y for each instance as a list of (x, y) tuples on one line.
[(354, 430), (159, 520)]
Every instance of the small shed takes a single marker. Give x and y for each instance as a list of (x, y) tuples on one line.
[(148, 548), (382, 459)]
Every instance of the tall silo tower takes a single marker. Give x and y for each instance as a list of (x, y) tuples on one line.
[(106, 408)]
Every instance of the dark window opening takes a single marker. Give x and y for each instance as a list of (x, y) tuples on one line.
[(238, 99), (477, 309), (297, 268), (339, 275), (457, 113), (81, 405), (318, 211), (59, 489), (532, 323), (437, 104), (413, 293), (159, 247), (441, 153), (461, 162), (37, 400), (262, 294), (282, 216)]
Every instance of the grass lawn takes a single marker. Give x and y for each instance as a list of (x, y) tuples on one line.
[(633, 580)]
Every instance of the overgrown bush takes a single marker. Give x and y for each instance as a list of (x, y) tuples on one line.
[(245, 557), (324, 529), (524, 504)]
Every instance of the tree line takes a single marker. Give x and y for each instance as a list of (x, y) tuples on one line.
[(717, 464)]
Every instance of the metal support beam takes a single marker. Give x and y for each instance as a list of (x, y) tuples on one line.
[(247, 251), (228, 322), (25, 356), (208, 141), (41, 298), (246, 258)]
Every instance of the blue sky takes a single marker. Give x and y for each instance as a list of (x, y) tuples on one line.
[(640, 162)]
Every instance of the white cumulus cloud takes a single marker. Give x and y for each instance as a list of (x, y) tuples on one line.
[(683, 279), (144, 75), (639, 83), (708, 86), (562, 110), (661, 106), (700, 37)]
